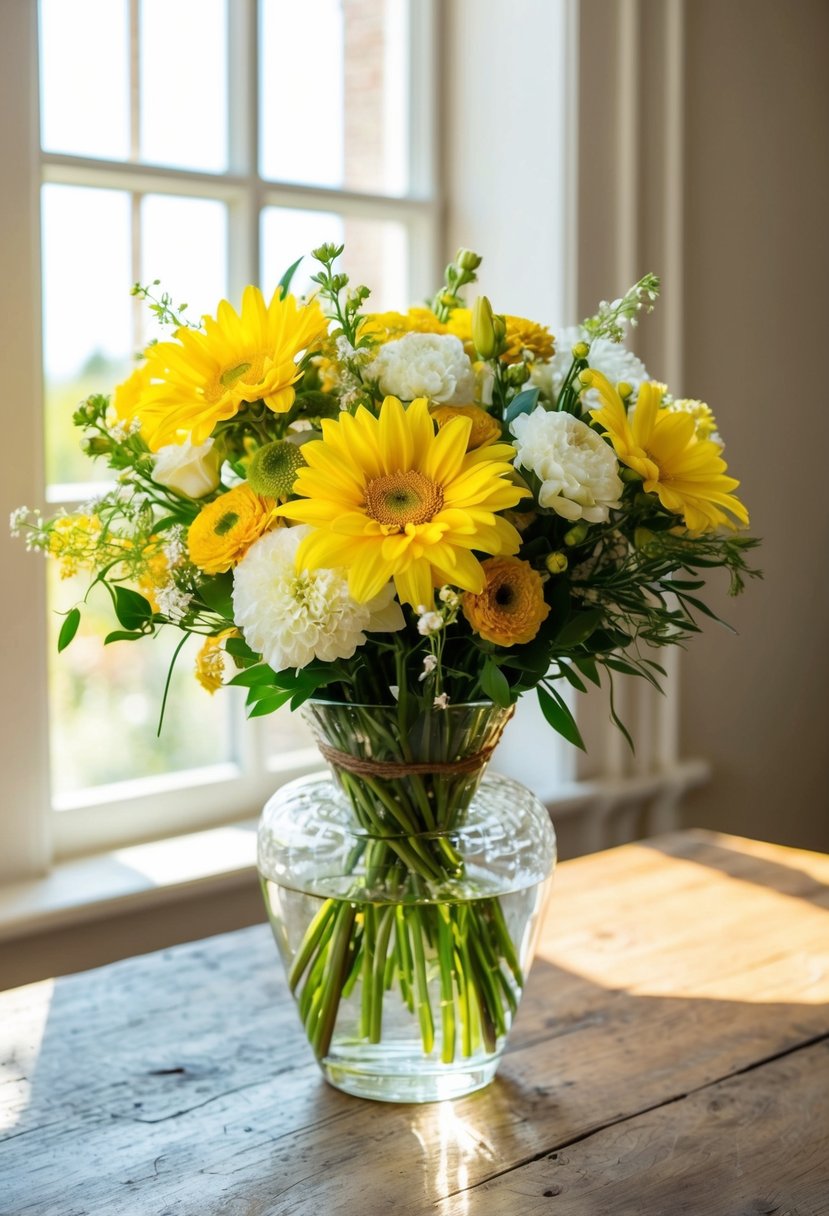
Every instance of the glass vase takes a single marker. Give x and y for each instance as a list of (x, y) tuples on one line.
[(404, 892)]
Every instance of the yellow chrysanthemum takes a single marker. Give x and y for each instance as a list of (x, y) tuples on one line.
[(511, 608), (387, 326), (687, 473), (202, 378), (521, 335), (389, 498), (224, 530), (485, 429)]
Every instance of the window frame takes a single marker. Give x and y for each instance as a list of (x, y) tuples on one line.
[(32, 832)]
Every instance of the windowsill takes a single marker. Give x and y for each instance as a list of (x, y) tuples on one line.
[(224, 858), (128, 879)]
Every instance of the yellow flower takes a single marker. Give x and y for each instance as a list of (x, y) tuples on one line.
[(705, 424), (388, 498), (127, 395), (72, 540), (521, 335), (202, 378), (387, 326), (687, 473), (511, 608), (485, 429), (224, 530), (210, 663)]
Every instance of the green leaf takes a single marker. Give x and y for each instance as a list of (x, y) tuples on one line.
[(260, 674), (217, 593), (558, 714), (571, 677), (287, 278), (523, 403), (315, 404), (266, 692), (238, 649), (132, 609), (268, 705), (495, 684), (69, 628), (579, 627), (587, 666), (123, 635)]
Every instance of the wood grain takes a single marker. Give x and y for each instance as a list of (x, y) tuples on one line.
[(668, 971)]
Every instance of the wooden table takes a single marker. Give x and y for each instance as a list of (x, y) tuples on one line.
[(671, 1056)]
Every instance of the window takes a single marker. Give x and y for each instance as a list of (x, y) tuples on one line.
[(207, 162)]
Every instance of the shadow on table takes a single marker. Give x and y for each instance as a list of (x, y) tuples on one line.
[(180, 1083)]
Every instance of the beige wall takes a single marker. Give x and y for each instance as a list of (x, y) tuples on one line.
[(704, 130), (756, 336)]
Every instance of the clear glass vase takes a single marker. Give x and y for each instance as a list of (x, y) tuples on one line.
[(404, 893)]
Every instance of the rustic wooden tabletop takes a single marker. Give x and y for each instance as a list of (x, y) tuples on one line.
[(671, 1056)]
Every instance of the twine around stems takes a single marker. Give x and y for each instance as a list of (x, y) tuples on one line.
[(395, 768)]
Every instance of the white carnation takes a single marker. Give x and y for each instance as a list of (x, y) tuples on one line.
[(612, 359), (292, 618), (424, 365), (578, 470)]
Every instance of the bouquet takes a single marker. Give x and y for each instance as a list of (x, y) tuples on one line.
[(411, 511)]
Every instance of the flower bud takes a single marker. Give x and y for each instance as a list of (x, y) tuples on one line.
[(586, 377), (581, 350), (630, 475), (188, 470), (577, 533), (483, 330), (517, 374), (273, 469), (624, 389), (643, 538), (467, 259), (556, 563)]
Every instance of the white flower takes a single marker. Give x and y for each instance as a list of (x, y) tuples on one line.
[(578, 471), (18, 517), (173, 546), (173, 602), (429, 664), (185, 469), (448, 596), (424, 365), (292, 618), (612, 359), (441, 701), (429, 623)]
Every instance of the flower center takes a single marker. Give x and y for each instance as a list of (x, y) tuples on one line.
[(224, 525), (398, 499), (504, 596)]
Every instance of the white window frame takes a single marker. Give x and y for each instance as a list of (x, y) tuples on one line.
[(608, 782), (31, 834)]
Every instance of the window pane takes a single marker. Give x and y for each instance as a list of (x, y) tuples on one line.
[(184, 244), (84, 77), (87, 330), (376, 252), (347, 123), (184, 83), (105, 701), (285, 732)]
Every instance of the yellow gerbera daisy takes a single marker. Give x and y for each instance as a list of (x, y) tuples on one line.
[(388, 498), (687, 473), (202, 378), (224, 530), (511, 608), (521, 335), (485, 429)]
